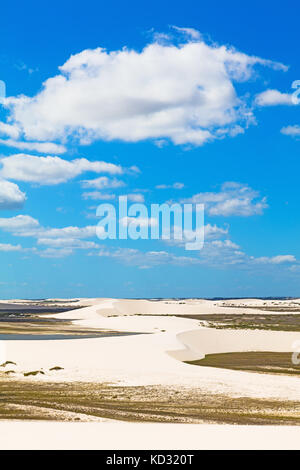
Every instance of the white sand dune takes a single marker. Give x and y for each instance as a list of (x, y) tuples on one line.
[(155, 356)]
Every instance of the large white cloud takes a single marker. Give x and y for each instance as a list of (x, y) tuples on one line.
[(180, 92), (11, 197), (50, 170), (9, 130)]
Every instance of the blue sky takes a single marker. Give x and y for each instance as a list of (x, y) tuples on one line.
[(117, 99)]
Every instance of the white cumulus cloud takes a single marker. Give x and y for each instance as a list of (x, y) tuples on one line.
[(19, 222), (182, 92), (234, 199), (274, 97), (11, 197), (9, 130), (50, 170)]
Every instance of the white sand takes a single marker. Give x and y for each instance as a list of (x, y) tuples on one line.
[(146, 436), (154, 357)]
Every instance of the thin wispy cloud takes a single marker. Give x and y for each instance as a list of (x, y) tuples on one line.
[(292, 131)]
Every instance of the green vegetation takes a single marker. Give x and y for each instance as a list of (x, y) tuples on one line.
[(52, 327), (255, 361), (34, 372), (245, 321), (82, 401)]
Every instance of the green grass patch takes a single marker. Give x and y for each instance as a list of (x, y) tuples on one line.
[(33, 372), (255, 361), (46, 400), (245, 321)]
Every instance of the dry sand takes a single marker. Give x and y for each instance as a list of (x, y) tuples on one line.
[(155, 355)]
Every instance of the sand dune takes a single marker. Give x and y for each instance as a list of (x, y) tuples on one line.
[(155, 355)]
